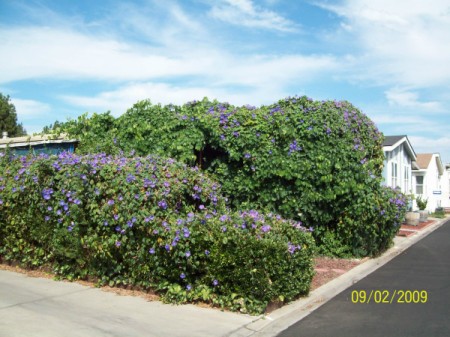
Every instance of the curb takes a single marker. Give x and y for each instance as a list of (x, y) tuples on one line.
[(280, 319)]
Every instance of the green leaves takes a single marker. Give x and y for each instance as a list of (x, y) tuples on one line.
[(148, 222), (296, 156)]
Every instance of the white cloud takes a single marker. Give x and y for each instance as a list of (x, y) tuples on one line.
[(408, 99), (405, 44), (119, 100), (245, 13), (47, 52), (50, 52), (29, 109), (432, 145)]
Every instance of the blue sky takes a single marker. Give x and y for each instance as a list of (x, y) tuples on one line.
[(61, 58)]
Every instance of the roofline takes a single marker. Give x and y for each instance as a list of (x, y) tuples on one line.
[(41, 142), (440, 165), (409, 147)]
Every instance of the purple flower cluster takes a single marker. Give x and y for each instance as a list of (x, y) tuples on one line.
[(294, 147), (293, 248)]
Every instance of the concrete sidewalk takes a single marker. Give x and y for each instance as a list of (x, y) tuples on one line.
[(42, 307)]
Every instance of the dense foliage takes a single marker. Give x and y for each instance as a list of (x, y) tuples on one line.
[(8, 118), (148, 222), (315, 161)]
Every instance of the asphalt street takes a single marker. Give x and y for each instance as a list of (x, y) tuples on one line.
[(383, 303)]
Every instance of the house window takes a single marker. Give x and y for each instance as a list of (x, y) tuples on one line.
[(406, 179), (394, 175), (419, 185)]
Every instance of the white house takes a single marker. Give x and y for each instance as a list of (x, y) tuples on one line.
[(431, 180), (399, 160)]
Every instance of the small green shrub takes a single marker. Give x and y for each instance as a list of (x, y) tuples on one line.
[(439, 213), (421, 203), (152, 223)]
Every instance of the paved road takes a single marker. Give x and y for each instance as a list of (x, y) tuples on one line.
[(424, 266)]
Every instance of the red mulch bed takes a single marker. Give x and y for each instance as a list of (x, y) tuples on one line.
[(328, 269), (406, 230)]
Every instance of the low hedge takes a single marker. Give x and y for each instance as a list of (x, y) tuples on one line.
[(152, 223)]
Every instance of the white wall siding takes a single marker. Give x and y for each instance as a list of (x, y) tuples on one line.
[(435, 185), (397, 169)]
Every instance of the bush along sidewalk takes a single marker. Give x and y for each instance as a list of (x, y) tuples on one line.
[(152, 223), (319, 162)]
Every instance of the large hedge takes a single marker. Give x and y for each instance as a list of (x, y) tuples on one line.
[(148, 222), (315, 161)]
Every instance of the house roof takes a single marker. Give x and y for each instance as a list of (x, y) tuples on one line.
[(392, 142), (424, 160), (35, 140)]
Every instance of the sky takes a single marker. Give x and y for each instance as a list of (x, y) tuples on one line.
[(391, 59)]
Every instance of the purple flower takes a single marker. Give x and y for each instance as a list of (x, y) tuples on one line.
[(248, 155), (207, 252), (118, 243), (183, 275), (188, 253), (294, 147), (223, 218), (167, 247), (149, 218), (224, 229), (110, 202), (186, 232), (152, 251), (215, 283), (188, 287), (116, 217), (47, 218), (265, 228), (292, 248), (162, 204), (201, 207), (46, 193), (105, 223)]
